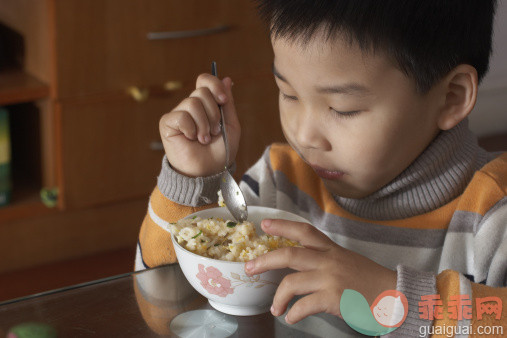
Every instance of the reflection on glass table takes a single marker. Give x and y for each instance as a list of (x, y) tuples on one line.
[(150, 303)]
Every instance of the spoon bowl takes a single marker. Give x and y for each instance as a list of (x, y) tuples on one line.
[(233, 197)]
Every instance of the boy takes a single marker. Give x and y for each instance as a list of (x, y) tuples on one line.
[(374, 99)]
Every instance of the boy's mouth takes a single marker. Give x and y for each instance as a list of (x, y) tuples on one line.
[(327, 174), (322, 172)]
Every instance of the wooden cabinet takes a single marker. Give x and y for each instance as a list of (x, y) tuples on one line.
[(107, 150), (118, 45), (111, 149), (146, 45), (107, 77)]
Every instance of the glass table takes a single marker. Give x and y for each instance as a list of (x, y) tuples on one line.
[(151, 303)]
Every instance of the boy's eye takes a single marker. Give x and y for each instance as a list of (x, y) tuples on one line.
[(344, 113), (288, 97)]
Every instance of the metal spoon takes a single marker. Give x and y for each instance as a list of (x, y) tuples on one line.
[(232, 194)]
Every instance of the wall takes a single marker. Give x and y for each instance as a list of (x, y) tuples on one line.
[(490, 113)]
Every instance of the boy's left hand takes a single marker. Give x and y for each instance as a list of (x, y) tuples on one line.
[(324, 270)]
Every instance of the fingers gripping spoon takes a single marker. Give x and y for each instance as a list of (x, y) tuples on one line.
[(231, 193)]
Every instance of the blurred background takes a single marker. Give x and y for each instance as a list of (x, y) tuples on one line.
[(83, 84), (490, 114)]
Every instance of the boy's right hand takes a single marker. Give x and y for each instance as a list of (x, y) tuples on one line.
[(191, 131)]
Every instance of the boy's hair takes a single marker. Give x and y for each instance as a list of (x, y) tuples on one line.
[(425, 38)]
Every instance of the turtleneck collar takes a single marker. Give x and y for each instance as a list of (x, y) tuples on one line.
[(436, 177)]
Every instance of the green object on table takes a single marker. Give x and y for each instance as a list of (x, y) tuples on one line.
[(32, 330), (5, 158), (49, 197)]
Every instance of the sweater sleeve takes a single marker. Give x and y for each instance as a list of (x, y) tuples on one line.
[(451, 302), (481, 296), (174, 197)]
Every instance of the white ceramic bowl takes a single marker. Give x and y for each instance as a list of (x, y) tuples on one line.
[(225, 283)]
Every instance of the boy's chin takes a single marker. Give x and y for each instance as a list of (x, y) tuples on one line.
[(342, 189)]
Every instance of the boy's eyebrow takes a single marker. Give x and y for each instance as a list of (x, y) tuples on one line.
[(349, 88), (277, 74)]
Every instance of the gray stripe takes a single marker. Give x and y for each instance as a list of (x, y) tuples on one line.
[(428, 238), (464, 221), (500, 204), (267, 160)]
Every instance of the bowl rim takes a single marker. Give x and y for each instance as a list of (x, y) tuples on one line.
[(175, 241)]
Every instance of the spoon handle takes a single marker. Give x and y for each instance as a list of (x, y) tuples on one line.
[(222, 122)]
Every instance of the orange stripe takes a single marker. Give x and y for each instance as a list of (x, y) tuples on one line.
[(483, 193), (168, 210), (488, 186), (497, 169), (157, 248), (286, 160), (156, 244)]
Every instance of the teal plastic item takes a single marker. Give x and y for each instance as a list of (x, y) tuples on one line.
[(5, 158), (357, 314), (32, 330)]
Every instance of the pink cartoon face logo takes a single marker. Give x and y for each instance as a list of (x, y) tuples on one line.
[(390, 308)]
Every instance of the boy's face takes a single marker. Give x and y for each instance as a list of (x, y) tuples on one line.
[(354, 117)]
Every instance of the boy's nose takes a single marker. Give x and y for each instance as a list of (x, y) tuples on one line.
[(310, 133)]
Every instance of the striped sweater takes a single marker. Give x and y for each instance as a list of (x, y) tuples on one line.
[(442, 223)]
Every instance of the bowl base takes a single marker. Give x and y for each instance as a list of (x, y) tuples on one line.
[(203, 323), (239, 310)]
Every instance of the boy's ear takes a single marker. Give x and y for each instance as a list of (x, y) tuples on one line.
[(460, 88)]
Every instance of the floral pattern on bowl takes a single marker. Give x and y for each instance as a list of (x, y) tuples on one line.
[(213, 281), (225, 283)]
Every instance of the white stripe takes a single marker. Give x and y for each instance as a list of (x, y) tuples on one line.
[(490, 261), (388, 255), (139, 260), (159, 221), (458, 252)]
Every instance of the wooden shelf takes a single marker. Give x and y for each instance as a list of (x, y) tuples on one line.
[(25, 203), (17, 86)]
